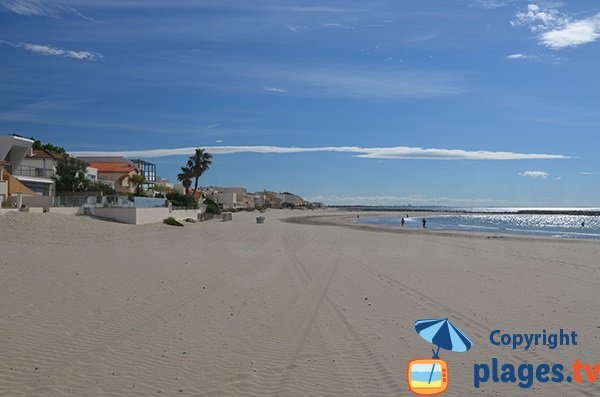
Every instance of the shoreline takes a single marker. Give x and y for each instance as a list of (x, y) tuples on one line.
[(348, 220)]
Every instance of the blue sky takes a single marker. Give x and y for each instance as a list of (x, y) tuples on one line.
[(472, 102)]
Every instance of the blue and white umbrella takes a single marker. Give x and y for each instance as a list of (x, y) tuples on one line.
[(442, 333)]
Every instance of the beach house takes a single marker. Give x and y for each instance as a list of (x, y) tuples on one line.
[(116, 171), (20, 178), (291, 199), (229, 197), (267, 199)]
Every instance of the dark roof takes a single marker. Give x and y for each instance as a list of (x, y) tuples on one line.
[(45, 154), (103, 159)]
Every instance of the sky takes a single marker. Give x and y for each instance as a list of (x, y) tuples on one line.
[(384, 102)]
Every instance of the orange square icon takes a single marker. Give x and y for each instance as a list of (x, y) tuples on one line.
[(427, 376)]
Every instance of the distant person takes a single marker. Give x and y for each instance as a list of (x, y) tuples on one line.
[(583, 224), (402, 222), (357, 218), (424, 223)]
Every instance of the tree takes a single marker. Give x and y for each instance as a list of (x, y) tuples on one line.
[(159, 190), (37, 144), (197, 165), (70, 175), (101, 187), (137, 181), (185, 177)]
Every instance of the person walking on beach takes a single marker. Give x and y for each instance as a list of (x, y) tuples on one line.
[(402, 222), (424, 223)]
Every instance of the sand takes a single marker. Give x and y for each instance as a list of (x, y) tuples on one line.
[(94, 308)]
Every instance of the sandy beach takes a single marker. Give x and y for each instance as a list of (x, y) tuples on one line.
[(319, 308)]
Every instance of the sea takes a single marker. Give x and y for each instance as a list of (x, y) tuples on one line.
[(578, 224)]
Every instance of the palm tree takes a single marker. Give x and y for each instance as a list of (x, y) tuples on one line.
[(185, 177), (197, 165)]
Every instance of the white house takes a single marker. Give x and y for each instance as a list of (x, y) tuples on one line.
[(29, 180), (290, 198)]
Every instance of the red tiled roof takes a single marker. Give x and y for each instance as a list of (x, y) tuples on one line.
[(113, 167)]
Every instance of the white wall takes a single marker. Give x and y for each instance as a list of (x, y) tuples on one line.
[(228, 200), (142, 216), (65, 210), (3, 191)]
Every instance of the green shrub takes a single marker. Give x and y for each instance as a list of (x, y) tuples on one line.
[(172, 221), (181, 200), (212, 207), (96, 186)]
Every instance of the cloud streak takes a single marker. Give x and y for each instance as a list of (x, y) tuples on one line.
[(275, 89), (39, 8), (399, 152), (48, 50), (410, 199)]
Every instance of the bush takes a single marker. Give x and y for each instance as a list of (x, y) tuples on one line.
[(181, 200), (172, 221), (212, 207)]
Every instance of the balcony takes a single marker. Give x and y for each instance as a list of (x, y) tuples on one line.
[(25, 170)]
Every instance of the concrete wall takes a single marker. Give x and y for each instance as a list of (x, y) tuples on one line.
[(123, 215), (37, 201), (63, 211), (142, 216)]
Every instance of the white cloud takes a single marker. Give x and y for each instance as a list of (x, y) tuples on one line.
[(39, 8), (295, 28), (275, 89), (585, 173), (400, 152), (573, 34), (48, 50), (517, 56), (558, 178), (535, 174), (539, 19), (556, 30)]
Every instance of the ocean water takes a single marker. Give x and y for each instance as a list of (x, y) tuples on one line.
[(560, 226)]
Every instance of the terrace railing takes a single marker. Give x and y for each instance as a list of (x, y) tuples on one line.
[(26, 170)]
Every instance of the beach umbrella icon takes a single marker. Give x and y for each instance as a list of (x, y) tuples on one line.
[(443, 334)]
